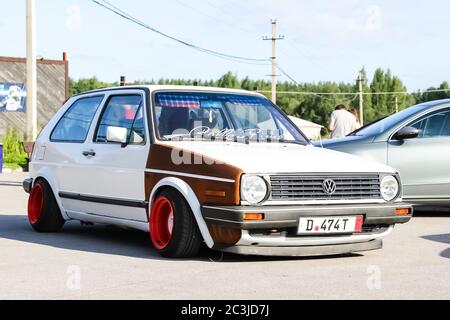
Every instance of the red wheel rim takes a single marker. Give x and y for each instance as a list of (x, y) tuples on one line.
[(35, 204), (161, 222)]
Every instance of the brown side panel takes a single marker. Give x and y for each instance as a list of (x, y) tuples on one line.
[(207, 191), (224, 236)]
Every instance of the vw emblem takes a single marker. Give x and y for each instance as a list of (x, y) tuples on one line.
[(329, 186)]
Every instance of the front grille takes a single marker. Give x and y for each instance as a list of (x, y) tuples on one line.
[(303, 188)]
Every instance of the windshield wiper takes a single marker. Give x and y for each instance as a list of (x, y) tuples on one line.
[(294, 142), (177, 137), (244, 139)]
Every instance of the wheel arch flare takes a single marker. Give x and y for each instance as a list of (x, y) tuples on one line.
[(189, 195)]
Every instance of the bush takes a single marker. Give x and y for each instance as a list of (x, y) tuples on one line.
[(13, 153)]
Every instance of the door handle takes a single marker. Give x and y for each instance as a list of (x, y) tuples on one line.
[(89, 153)]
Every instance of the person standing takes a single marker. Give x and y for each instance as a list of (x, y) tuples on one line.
[(358, 122), (342, 122)]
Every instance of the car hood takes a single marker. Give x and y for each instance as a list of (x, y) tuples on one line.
[(280, 157)]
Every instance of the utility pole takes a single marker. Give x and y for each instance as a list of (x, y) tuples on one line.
[(361, 96), (274, 75), (396, 104), (31, 72)]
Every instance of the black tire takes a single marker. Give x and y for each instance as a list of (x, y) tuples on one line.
[(45, 216), (186, 240)]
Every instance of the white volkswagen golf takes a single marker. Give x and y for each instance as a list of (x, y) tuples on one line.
[(194, 166)]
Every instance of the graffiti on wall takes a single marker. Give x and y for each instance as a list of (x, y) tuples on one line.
[(12, 97)]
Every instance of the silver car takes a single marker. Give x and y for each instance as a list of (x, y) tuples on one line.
[(415, 141)]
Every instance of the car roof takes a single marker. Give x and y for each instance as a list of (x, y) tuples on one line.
[(153, 88), (433, 103), (415, 111)]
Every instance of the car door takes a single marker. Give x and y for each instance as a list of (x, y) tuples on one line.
[(424, 162), (62, 153), (114, 172)]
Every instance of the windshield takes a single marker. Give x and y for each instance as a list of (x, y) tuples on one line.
[(220, 116), (381, 125)]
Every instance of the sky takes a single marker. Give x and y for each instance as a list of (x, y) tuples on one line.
[(325, 40)]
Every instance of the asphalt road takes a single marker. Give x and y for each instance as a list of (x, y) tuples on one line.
[(98, 262)]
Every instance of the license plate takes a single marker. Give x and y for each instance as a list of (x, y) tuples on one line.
[(330, 225)]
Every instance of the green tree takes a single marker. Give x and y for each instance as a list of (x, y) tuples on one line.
[(87, 84), (229, 80), (307, 99), (432, 94), (384, 104)]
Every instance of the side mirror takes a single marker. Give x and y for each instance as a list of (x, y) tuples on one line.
[(406, 133), (117, 134)]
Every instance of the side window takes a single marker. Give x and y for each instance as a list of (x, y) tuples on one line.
[(436, 124), (124, 111), (74, 125)]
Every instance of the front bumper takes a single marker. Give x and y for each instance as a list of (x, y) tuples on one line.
[(288, 216), (233, 234)]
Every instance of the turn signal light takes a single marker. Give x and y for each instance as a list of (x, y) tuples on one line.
[(402, 212), (213, 193), (253, 216)]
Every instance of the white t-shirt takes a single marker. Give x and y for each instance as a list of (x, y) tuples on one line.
[(344, 123)]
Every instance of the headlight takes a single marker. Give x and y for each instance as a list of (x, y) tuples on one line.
[(389, 188), (253, 189)]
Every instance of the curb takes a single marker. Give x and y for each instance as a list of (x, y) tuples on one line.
[(8, 170)]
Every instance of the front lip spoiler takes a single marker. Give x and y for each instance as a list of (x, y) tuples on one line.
[(306, 251), (312, 241), (288, 216)]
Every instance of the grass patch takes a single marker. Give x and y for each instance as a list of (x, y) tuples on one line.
[(12, 166), (14, 156)]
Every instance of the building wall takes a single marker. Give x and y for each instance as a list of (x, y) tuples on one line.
[(52, 89)]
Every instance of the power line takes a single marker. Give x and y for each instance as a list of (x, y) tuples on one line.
[(240, 59), (346, 93), (305, 55), (432, 90), (286, 74), (320, 95), (215, 18), (108, 6)]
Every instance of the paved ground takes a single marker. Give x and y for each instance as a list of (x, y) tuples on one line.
[(107, 263)]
